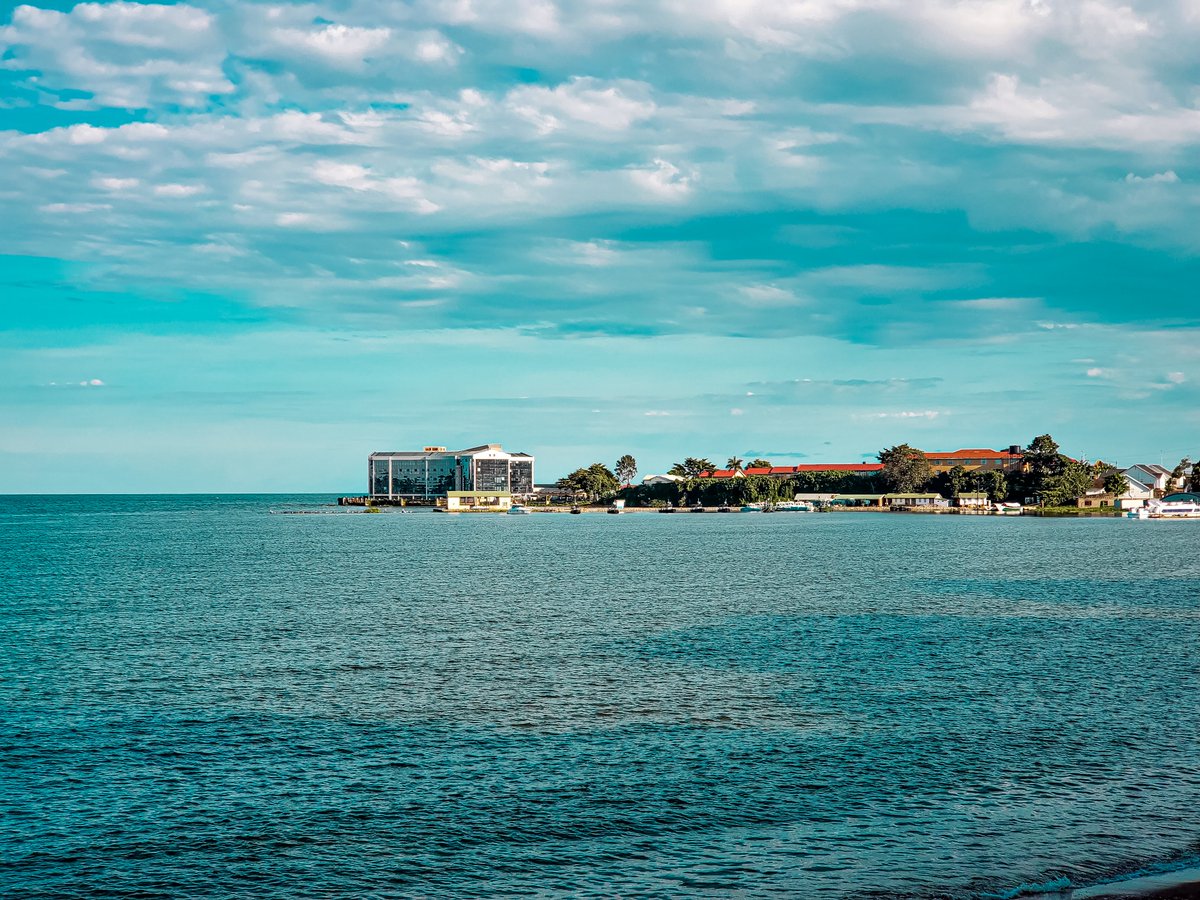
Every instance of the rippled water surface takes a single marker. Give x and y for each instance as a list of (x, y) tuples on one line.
[(201, 697)]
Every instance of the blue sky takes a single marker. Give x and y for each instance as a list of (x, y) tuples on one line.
[(245, 244)]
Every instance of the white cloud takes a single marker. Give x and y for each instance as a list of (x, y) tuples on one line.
[(178, 190), (663, 179), (124, 54), (1168, 177), (337, 45), (588, 101), (1096, 372)]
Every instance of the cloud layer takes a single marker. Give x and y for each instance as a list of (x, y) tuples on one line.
[(960, 179)]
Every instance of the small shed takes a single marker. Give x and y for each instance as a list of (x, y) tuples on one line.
[(478, 501), (903, 501), (972, 500)]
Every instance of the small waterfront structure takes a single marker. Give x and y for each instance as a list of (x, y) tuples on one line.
[(914, 501), (1096, 500), (433, 472), (479, 501), (874, 501), (971, 500)]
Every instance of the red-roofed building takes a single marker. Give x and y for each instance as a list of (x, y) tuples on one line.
[(723, 473), (978, 458), (759, 470)]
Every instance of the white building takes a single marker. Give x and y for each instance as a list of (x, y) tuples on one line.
[(434, 471), (1152, 476), (661, 479)]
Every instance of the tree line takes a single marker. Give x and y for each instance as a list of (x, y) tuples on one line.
[(1046, 476)]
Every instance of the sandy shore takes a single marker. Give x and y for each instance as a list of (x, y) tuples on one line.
[(1181, 885)]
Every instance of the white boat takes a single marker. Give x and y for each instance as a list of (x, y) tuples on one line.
[(1007, 509), (518, 510), (1173, 506), (794, 506), (752, 507)]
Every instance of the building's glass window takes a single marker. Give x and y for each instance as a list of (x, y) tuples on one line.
[(521, 476), (491, 475), (379, 476)]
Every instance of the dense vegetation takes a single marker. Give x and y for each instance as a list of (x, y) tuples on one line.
[(1048, 476)]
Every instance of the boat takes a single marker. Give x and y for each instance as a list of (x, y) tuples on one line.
[(794, 506), (618, 507), (1173, 506), (1007, 509), (697, 508), (752, 507), (518, 510), (576, 511), (725, 509)]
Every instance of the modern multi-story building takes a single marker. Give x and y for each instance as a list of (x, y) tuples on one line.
[(430, 473)]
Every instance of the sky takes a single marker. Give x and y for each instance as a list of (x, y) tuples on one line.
[(245, 244)]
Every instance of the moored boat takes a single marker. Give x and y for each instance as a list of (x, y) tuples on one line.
[(1174, 506), (518, 510)]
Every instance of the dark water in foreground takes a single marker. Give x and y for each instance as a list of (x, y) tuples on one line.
[(200, 698)]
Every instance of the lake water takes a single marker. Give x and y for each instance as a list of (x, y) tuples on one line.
[(203, 697)]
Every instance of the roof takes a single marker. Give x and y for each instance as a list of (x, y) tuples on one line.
[(838, 467), (912, 496), (1152, 468), (974, 453), (974, 495), (721, 473), (478, 494), (759, 470)]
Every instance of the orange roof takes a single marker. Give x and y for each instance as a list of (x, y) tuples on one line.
[(719, 473), (839, 467), (976, 453), (759, 470)]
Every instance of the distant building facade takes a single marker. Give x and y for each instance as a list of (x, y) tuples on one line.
[(433, 472)]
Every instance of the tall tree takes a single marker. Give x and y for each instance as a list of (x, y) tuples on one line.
[(759, 464), (1110, 477), (626, 469), (596, 481), (1068, 485), (692, 467), (1180, 475), (905, 468), (1042, 457), (734, 462)]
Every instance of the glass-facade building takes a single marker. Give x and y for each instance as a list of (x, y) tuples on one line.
[(430, 473)]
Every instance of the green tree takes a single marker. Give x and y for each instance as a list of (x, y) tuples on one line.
[(959, 480), (1042, 457), (1068, 485), (594, 482), (626, 469), (1181, 475), (994, 482), (905, 468), (1110, 477), (734, 462), (691, 467), (759, 464)]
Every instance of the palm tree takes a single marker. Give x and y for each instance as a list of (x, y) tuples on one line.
[(734, 463)]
